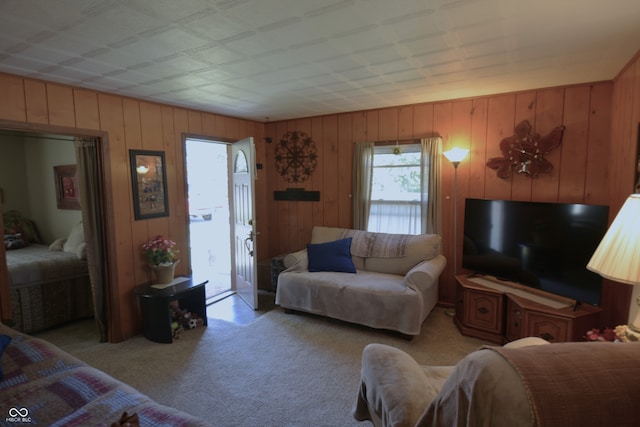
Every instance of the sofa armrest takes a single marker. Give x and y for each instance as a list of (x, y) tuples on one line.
[(296, 261), (394, 388), (425, 274)]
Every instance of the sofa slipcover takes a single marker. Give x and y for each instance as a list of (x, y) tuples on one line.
[(395, 286)]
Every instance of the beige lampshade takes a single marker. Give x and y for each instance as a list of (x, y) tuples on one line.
[(618, 255)]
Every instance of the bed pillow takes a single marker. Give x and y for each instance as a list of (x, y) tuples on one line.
[(14, 241), (16, 223), (331, 256), (75, 238), (4, 342)]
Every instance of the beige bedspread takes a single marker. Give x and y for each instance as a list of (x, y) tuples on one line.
[(36, 264)]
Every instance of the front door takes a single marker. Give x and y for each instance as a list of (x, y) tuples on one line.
[(244, 224)]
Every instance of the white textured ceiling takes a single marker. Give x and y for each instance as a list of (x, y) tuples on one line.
[(283, 59)]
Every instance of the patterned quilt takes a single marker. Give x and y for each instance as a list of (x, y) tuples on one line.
[(43, 385)]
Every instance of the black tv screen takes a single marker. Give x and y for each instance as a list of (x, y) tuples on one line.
[(541, 245)]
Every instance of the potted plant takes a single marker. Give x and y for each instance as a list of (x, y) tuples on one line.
[(162, 257)]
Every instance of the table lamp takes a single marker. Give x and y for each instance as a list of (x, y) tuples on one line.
[(617, 257)]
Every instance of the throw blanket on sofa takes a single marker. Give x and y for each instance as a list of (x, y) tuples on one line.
[(380, 245), (578, 384)]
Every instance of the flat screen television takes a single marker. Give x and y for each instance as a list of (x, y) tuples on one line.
[(541, 245)]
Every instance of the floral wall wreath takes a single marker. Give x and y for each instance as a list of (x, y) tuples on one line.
[(296, 156)]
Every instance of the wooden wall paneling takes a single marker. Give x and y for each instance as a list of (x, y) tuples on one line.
[(477, 157), (12, 93), (178, 221), (521, 185), (195, 122), (285, 209), (139, 228), (596, 189), (36, 101), (359, 127), (574, 145), (220, 125), (86, 109), (423, 121), (209, 124), (317, 208), (500, 124), (405, 122), (119, 191), (373, 133), (388, 124), (60, 105), (271, 205), (302, 233), (549, 110), (358, 134), (152, 139), (151, 126), (291, 230), (330, 164), (442, 118), (345, 166), (175, 124), (272, 178)]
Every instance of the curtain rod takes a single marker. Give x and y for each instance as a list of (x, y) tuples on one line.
[(394, 141), (398, 141)]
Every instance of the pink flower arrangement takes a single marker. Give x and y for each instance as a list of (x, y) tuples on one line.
[(159, 251), (607, 334)]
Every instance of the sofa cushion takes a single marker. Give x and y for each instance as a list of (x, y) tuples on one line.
[(321, 234), (419, 248), (331, 256)]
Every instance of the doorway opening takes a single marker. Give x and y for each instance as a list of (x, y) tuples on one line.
[(207, 165)]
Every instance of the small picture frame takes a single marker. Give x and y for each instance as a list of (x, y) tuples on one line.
[(149, 181), (66, 182)]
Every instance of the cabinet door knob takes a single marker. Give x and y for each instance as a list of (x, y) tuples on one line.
[(483, 310)]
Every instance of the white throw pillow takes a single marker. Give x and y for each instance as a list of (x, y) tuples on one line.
[(75, 238)]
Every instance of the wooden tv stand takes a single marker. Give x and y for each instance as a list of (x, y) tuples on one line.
[(499, 312)]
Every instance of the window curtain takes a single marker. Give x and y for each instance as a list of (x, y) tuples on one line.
[(431, 192), (88, 172), (362, 184)]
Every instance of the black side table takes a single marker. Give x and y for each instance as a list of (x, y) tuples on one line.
[(154, 306)]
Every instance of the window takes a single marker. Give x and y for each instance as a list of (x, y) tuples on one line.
[(396, 190)]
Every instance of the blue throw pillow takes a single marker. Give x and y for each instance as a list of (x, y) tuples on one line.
[(331, 256), (4, 342)]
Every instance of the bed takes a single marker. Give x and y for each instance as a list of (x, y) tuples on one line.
[(49, 284)]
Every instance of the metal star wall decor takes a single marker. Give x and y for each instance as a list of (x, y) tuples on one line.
[(296, 156), (524, 152)]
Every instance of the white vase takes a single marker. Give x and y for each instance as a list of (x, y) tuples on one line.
[(165, 273)]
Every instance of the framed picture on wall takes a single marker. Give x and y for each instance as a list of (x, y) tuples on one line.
[(66, 187), (149, 181)]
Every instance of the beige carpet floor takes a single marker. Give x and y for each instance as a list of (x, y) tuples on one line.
[(279, 370)]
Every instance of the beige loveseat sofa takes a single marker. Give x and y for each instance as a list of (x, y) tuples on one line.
[(520, 384), (394, 283)]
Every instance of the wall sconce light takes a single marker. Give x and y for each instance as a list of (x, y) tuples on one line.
[(142, 169)]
